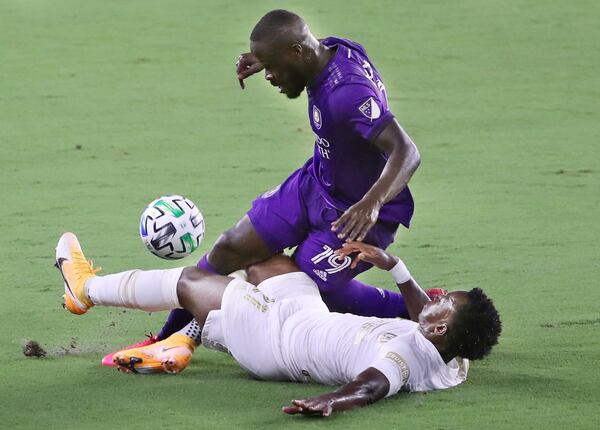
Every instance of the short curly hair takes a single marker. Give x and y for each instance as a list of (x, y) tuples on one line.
[(272, 24), (475, 328)]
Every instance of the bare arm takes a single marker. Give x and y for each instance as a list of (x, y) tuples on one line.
[(403, 161), (414, 296), (368, 387)]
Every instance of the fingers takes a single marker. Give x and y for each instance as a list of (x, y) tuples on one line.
[(367, 253), (348, 228), (247, 72), (357, 260), (363, 231), (360, 229), (291, 410), (351, 247), (339, 222), (308, 407), (245, 66), (354, 225)]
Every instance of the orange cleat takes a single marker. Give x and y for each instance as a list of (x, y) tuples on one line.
[(107, 360), (171, 355), (75, 270)]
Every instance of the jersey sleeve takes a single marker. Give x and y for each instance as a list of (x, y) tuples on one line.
[(361, 108), (397, 368)]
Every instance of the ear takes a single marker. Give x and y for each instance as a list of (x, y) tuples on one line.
[(440, 329), (297, 49)]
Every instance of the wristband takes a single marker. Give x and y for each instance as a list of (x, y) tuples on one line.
[(400, 273)]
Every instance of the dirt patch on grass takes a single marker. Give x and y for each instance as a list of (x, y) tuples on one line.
[(33, 349)]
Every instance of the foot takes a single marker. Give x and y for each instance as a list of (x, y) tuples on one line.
[(108, 359), (75, 270), (171, 355)]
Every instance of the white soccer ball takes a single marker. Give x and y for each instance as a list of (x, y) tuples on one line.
[(172, 227)]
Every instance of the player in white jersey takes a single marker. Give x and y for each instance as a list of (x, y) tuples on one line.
[(278, 328)]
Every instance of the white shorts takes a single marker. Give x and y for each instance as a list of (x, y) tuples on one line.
[(249, 322)]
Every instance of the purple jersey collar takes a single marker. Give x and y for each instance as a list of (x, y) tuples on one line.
[(326, 70)]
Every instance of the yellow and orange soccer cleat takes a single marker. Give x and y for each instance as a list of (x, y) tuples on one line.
[(75, 270), (171, 355)]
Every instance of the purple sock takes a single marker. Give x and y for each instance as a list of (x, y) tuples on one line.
[(204, 264), (361, 299), (179, 318)]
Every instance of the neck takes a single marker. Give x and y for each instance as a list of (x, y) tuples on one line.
[(439, 344), (318, 61)]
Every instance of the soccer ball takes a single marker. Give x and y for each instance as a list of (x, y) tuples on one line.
[(172, 227)]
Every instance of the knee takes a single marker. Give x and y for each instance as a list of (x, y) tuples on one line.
[(227, 246), (254, 274), (186, 282), (274, 266)]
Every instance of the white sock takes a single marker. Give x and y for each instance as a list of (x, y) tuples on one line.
[(148, 290), (193, 331)]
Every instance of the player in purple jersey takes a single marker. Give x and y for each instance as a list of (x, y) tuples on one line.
[(353, 188)]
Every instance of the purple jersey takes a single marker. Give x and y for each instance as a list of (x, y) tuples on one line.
[(348, 108)]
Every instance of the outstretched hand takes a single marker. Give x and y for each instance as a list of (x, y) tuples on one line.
[(369, 253), (355, 223), (247, 65), (319, 406)]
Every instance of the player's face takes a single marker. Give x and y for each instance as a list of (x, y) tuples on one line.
[(441, 309), (283, 68)]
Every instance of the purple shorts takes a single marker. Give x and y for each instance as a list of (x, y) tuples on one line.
[(296, 213)]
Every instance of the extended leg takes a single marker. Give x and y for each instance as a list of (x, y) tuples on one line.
[(235, 249), (146, 290)]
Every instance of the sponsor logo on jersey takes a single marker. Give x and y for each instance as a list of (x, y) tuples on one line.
[(397, 359), (316, 116), (370, 109), (258, 305), (386, 337), (366, 329), (321, 274)]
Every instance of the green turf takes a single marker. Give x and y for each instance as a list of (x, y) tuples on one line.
[(106, 105)]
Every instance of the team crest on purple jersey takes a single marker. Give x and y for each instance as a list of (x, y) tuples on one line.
[(370, 109), (316, 114)]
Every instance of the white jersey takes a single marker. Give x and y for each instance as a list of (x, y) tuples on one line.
[(282, 330), (333, 348)]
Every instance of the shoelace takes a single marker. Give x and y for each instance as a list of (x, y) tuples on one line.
[(84, 267)]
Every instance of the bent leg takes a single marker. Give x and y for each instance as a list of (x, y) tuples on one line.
[(237, 248), (277, 220), (200, 293), (335, 278), (274, 266)]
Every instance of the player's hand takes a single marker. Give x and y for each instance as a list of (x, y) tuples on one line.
[(246, 65), (320, 406), (369, 253), (355, 223)]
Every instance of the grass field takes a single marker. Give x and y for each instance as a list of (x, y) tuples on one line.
[(106, 105)]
